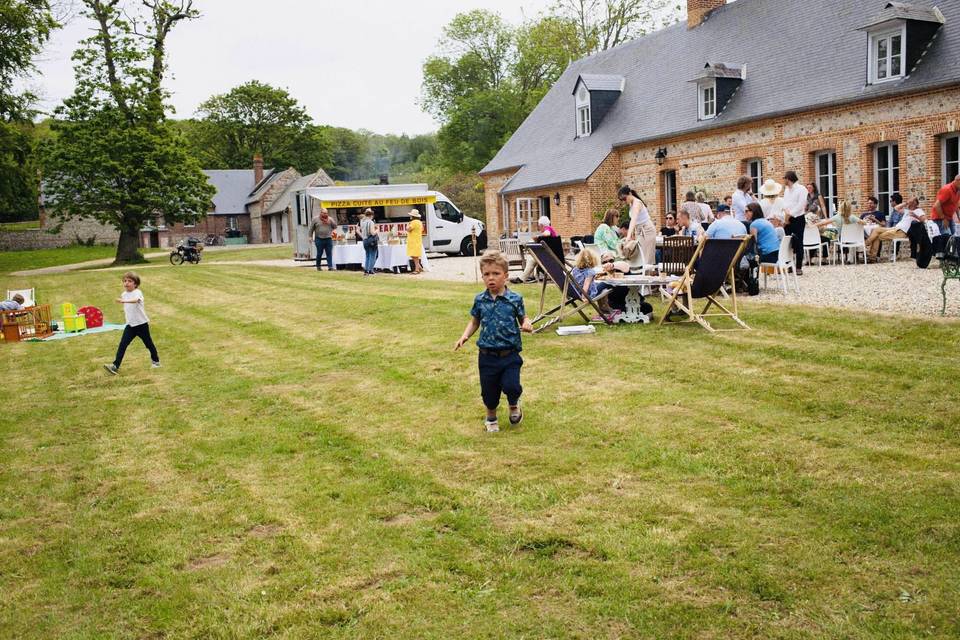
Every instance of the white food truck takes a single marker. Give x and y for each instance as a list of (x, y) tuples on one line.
[(446, 229)]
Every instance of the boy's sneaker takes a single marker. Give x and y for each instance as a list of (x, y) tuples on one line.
[(492, 425), (112, 370), (516, 417), (155, 365)]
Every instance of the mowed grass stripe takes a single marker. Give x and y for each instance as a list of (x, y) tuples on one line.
[(676, 499)]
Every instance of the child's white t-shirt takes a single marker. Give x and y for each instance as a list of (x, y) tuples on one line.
[(135, 313)]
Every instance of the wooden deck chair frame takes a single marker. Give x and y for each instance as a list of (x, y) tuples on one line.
[(571, 293), (682, 297)]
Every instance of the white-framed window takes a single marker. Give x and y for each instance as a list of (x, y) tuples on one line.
[(886, 56), (886, 162), (708, 101), (571, 207), (190, 225), (755, 171), (826, 165), (528, 212), (951, 157), (232, 223), (669, 190), (583, 121)]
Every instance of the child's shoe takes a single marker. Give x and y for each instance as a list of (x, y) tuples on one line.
[(516, 416), (492, 425), (112, 370), (155, 365)]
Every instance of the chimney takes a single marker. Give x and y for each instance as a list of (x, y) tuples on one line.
[(257, 168), (698, 10)]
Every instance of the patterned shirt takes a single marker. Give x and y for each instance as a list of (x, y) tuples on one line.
[(500, 320)]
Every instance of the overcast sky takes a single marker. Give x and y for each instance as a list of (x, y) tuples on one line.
[(351, 63)]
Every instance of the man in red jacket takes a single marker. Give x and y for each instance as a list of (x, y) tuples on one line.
[(945, 208)]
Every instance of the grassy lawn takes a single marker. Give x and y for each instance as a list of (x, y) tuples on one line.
[(39, 258), (25, 225), (310, 462)]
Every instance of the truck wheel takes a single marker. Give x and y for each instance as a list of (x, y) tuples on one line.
[(466, 247)]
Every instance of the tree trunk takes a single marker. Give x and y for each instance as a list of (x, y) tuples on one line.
[(128, 247)]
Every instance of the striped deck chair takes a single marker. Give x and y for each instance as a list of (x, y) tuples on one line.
[(711, 267), (571, 294)]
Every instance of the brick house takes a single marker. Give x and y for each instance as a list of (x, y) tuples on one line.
[(254, 202), (860, 96)]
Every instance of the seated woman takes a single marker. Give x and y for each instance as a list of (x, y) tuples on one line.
[(606, 237), (669, 227), (765, 240), (830, 228), (546, 231), (585, 271)]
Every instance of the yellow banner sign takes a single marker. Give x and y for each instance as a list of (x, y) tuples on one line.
[(378, 202)]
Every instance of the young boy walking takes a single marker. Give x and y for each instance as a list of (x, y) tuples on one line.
[(500, 316), (137, 323)]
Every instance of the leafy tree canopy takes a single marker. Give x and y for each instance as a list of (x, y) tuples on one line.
[(488, 75), (114, 157), (257, 118)]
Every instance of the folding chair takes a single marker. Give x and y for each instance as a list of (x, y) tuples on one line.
[(711, 266), (571, 295), (29, 296)]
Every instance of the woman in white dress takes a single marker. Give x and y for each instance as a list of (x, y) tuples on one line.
[(641, 226), (771, 202)]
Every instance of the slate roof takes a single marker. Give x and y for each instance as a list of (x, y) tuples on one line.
[(318, 179), (600, 82), (233, 187), (905, 11), (799, 56)]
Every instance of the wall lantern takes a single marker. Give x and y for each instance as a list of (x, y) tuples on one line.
[(556, 198), (661, 155)]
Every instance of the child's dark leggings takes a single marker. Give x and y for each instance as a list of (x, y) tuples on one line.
[(141, 331), (500, 374)]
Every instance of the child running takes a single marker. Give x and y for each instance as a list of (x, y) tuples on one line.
[(137, 323), (499, 314)]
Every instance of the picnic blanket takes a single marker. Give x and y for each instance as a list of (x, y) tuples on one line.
[(62, 335)]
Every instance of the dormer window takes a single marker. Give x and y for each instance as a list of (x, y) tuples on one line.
[(898, 38), (583, 118), (716, 86), (886, 55), (708, 101), (594, 97)]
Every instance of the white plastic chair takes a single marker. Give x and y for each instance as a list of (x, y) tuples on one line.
[(510, 248), (782, 267), (851, 237), (29, 296), (895, 247), (813, 242)]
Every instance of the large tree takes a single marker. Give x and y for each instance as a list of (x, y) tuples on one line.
[(115, 157), (604, 24), (25, 26), (257, 118)]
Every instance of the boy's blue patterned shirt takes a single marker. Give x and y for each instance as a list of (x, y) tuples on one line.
[(500, 319)]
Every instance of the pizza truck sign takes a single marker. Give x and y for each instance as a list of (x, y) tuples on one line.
[(378, 202)]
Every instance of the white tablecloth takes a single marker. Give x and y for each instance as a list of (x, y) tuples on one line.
[(389, 256)]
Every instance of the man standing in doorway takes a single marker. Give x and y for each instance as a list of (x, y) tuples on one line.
[(945, 208), (794, 204), (321, 229)]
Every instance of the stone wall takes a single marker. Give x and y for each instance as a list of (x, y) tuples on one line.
[(66, 234)]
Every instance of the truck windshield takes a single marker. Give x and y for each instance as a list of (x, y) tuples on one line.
[(447, 211)]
